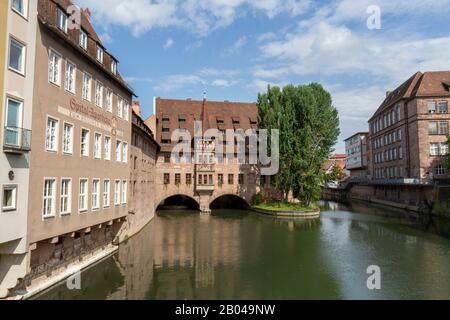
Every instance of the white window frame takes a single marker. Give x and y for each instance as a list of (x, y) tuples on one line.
[(97, 146), (114, 66), (125, 152), (126, 111), (74, 77), (71, 136), (107, 143), (106, 193), (53, 77), (117, 192), (99, 95), (118, 150), (22, 58), (13, 189), (24, 14), (119, 106), (109, 100), (95, 195), (19, 120), (87, 148), (67, 197), (434, 151), (51, 197), (124, 191), (62, 24), (99, 53), (83, 207), (56, 134), (83, 35), (87, 87)]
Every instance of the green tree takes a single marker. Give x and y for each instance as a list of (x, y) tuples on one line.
[(309, 128), (336, 174)]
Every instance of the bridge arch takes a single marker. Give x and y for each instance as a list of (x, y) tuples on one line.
[(229, 201), (178, 202)]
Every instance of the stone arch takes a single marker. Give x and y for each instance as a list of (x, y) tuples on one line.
[(178, 202), (229, 201)]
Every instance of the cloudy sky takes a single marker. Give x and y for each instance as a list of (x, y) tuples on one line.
[(233, 48)]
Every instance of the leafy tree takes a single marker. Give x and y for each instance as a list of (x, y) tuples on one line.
[(336, 174), (309, 128)]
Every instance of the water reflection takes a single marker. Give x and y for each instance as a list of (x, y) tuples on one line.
[(242, 255)]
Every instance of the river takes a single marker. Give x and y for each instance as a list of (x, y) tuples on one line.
[(244, 255)]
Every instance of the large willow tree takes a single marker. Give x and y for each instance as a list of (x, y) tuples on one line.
[(309, 128)]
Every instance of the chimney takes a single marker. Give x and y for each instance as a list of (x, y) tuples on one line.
[(136, 107), (87, 13)]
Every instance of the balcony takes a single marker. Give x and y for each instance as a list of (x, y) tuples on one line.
[(204, 187), (204, 168), (16, 140)]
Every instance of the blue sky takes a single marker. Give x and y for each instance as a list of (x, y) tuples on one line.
[(233, 48)]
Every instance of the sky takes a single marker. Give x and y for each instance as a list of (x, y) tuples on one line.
[(233, 49)]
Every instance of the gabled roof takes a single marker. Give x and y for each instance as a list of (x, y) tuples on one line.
[(427, 84)]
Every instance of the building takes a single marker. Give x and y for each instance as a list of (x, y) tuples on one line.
[(17, 58), (208, 180), (143, 157), (408, 132), (356, 151), (337, 159)]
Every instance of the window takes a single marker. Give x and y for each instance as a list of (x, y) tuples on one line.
[(95, 194), (125, 152), (51, 143), (99, 94), (109, 100), (166, 178), (83, 198), (119, 106), (87, 79), (431, 107), (54, 68), (17, 56), (241, 178), (98, 146), (434, 149), (106, 188), (117, 193), (188, 179), (220, 179), (62, 20), (177, 179), (126, 111), (230, 179), (443, 127), (443, 107), (49, 198), (66, 196), (433, 127), (107, 148), (118, 151), (114, 66), (85, 142), (400, 153), (99, 54), (399, 135), (83, 39), (13, 122), (68, 138), (19, 6), (124, 191), (70, 77), (9, 202), (444, 149), (440, 170)]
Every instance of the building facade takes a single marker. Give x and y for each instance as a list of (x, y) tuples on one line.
[(143, 157), (17, 75), (206, 179), (408, 132), (356, 151)]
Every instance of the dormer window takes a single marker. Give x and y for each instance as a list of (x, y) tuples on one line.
[(114, 66), (83, 39), (62, 20), (99, 54)]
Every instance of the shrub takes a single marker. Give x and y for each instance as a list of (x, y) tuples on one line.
[(257, 199)]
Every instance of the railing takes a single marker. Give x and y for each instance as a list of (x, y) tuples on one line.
[(16, 140)]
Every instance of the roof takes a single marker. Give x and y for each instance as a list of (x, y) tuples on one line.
[(138, 122), (357, 134), (47, 17), (427, 84), (214, 114)]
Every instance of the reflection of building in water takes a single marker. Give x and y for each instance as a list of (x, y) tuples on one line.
[(194, 250)]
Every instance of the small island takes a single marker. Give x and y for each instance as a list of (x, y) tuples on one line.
[(287, 209)]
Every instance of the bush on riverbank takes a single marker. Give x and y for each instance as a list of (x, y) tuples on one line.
[(285, 206)]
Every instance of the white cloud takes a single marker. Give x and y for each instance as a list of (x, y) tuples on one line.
[(237, 45), (222, 83), (177, 81), (168, 44)]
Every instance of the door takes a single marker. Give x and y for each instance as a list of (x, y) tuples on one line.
[(12, 130)]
